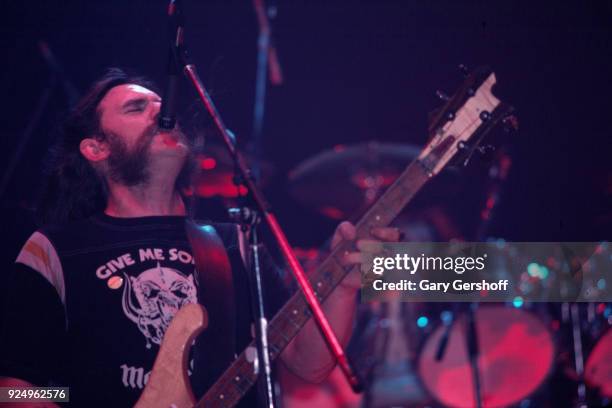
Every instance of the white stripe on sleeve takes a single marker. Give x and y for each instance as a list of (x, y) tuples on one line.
[(39, 254)]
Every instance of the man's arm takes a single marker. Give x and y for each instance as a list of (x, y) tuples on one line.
[(308, 355), (33, 319)]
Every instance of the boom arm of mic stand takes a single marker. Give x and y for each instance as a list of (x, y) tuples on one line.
[(279, 235)]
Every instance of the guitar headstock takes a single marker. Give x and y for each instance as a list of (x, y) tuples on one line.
[(463, 121)]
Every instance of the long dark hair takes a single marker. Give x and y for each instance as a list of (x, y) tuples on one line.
[(72, 189)]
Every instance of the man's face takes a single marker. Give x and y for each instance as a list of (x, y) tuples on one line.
[(128, 119)]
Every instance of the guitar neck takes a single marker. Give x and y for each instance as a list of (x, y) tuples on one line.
[(240, 376)]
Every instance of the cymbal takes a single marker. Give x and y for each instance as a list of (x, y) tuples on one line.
[(342, 181), (215, 177)]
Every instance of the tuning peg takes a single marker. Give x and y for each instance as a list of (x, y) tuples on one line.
[(484, 116), (464, 70), (466, 150), (442, 96), (464, 147), (486, 150)]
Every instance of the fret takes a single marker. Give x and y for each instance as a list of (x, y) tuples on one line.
[(274, 350), (285, 338), (242, 383), (227, 391), (295, 323)]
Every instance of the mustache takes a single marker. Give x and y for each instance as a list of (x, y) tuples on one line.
[(154, 130)]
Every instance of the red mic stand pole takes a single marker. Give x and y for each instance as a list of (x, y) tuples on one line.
[(265, 211), (279, 235)]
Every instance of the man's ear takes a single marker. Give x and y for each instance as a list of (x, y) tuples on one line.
[(94, 150)]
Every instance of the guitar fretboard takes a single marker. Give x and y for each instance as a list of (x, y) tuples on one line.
[(240, 376)]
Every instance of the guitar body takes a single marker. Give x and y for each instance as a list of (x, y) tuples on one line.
[(168, 385)]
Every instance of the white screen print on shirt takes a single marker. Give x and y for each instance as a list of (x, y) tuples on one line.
[(152, 297), (159, 293)]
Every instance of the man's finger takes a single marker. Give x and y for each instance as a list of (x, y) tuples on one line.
[(353, 258), (352, 280), (347, 230), (368, 245), (388, 234)]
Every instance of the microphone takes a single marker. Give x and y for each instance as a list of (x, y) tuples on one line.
[(167, 112)]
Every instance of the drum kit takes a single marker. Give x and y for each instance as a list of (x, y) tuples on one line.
[(418, 354)]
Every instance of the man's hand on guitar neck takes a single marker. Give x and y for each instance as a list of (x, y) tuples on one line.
[(307, 355), (365, 249)]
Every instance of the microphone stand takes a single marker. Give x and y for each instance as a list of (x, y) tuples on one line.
[(249, 220), (264, 209)]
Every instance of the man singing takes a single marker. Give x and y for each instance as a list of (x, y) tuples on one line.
[(93, 291)]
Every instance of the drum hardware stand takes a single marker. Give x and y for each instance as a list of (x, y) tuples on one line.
[(264, 210), (473, 351), (380, 346), (392, 353), (472, 346), (578, 354), (443, 344), (498, 174)]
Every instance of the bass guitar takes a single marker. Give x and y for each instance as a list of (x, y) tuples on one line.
[(457, 129)]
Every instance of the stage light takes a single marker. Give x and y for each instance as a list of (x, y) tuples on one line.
[(446, 317), (208, 163), (533, 269), (422, 321), (517, 302), (536, 270)]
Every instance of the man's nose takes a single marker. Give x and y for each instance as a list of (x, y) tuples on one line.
[(155, 111)]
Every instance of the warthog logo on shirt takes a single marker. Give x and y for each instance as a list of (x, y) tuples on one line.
[(152, 299)]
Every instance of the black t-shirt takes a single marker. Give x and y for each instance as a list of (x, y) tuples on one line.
[(89, 303)]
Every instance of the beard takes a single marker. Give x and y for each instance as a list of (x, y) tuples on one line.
[(131, 166)]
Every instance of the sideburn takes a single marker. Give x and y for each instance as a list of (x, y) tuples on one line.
[(129, 167)]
